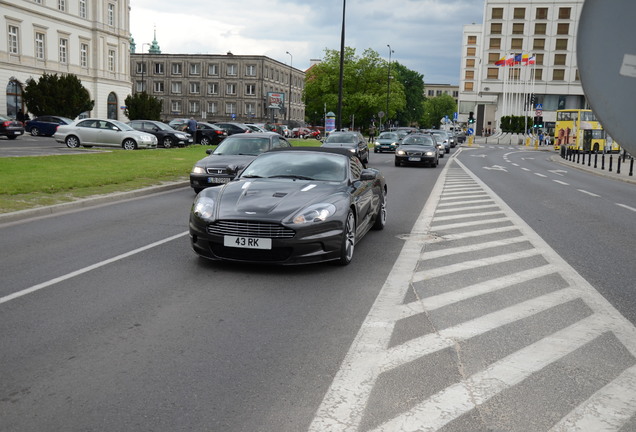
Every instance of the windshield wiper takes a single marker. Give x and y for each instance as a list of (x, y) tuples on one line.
[(251, 176), (297, 177)]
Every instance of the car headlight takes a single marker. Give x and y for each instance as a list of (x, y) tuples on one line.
[(352, 150), (314, 213), (429, 153), (198, 170), (203, 208), (401, 152), (181, 136)]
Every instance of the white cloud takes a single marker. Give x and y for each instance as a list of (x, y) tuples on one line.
[(425, 34)]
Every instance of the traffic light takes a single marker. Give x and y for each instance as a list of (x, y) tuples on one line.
[(471, 117), (533, 100), (538, 122)]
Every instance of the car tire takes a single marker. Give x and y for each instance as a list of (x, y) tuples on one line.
[(205, 141), (348, 239), (12, 137), (72, 141), (129, 144), (167, 142), (397, 163), (380, 218), (197, 190), (35, 131)]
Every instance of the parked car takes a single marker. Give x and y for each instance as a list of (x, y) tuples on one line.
[(255, 128), (166, 135), (352, 141), (419, 149), (180, 124), (291, 206), (10, 128), (444, 137), (233, 128), (91, 132), (305, 132), (386, 141), (45, 125), (231, 156), (208, 134)]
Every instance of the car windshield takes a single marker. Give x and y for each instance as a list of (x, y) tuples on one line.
[(122, 126), (298, 165), (418, 140), (163, 126), (242, 146), (388, 135), (340, 138)]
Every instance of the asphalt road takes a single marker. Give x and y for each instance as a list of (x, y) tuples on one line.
[(471, 311)]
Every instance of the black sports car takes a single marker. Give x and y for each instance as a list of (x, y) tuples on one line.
[(230, 157), (417, 149), (293, 206)]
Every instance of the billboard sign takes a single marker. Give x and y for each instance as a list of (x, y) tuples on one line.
[(275, 100)]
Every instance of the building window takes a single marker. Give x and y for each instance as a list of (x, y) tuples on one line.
[(540, 28), (493, 73), (82, 8), (519, 13), (37, 1), (63, 51), (141, 68), (559, 59), (250, 109), (576, 75), (195, 68), (195, 88), (495, 43), (517, 28), (175, 88), (250, 89), (175, 107), (495, 28), (84, 55), (213, 69), (469, 86), (538, 74), (176, 68), (212, 107), (513, 73), (250, 70), (158, 68), (561, 44), (438, 93), (158, 87), (111, 107), (111, 60), (470, 74), (111, 14), (230, 89), (472, 40), (13, 40), (194, 107), (564, 12), (231, 69), (213, 88), (470, 63), (471, 51), (140, 86), (539, 59), (558, 74), (431, 93), (497, 13), (61, 5), (39, 46), (493, 58), (563, 28), (538, 44), (455, 93), (230, 108), (516, 43), (542, 13)]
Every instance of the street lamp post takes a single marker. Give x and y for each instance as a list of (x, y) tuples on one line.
[(341, 79), (291, 60), (388, 86)]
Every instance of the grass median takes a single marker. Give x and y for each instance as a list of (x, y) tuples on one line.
[(29, 182)]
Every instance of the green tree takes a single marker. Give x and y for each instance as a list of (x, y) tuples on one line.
[(364, 87), (435, 109), (413, 83), (59, 95), (143, 106)]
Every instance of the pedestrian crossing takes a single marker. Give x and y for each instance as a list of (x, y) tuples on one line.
[(481, 326)]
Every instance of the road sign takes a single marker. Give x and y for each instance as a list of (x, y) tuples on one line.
[(470, 131), (538, 112), (455, 116)]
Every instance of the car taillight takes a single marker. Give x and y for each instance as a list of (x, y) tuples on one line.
[(6, 123)]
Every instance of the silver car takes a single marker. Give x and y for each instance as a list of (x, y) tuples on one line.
[(103, 133)]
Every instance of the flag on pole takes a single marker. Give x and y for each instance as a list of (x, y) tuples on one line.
[(501, 61), (517, 59), (532, 60), (524, 59)]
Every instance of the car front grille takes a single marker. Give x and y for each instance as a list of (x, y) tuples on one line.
[(414, 153), (250, 229), (216, 170)]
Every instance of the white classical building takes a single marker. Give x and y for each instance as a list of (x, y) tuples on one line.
[(87, 38), (542, 33)]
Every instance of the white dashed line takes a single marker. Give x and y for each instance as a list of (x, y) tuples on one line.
[(588, 193), (561, 182), (626, 206)]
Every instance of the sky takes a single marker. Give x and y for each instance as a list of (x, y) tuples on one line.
[(425, 35)]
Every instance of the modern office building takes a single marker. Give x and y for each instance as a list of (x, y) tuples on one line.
[(434, 90), (523, 47), (220, 87), (86, 38)]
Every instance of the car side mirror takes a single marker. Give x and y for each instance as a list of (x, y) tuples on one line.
[(368, 174), (209, 151)]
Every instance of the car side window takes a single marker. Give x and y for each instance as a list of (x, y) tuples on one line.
[(356, 168)]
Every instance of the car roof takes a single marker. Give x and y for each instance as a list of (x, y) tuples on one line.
[(336, 150), (252, 135)]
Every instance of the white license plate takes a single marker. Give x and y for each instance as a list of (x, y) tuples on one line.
[(219, 179), (415, 159), (247, 242)]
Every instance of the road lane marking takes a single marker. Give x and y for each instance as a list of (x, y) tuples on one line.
[(540, 175), (626, 207), (81, 271), (561, 182), (588, 193)]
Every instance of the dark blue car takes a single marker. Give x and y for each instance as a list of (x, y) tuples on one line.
[(45, 125)]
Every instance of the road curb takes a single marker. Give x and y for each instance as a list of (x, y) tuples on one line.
[(89, 202)]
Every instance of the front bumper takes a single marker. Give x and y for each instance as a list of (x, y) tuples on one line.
[(406, 159), (201, 181)]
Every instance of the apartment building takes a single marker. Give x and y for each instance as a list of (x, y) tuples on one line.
[(87, 38), (220, 87), (540, 32), (434, 90)]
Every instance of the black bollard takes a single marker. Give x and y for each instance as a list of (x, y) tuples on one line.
[(578, 156), (631, 167), (595, 159), (603, 161), (589, 158), (618, 165), (610, 167)]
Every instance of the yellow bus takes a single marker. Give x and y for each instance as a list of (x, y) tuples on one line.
[(579, 130)]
